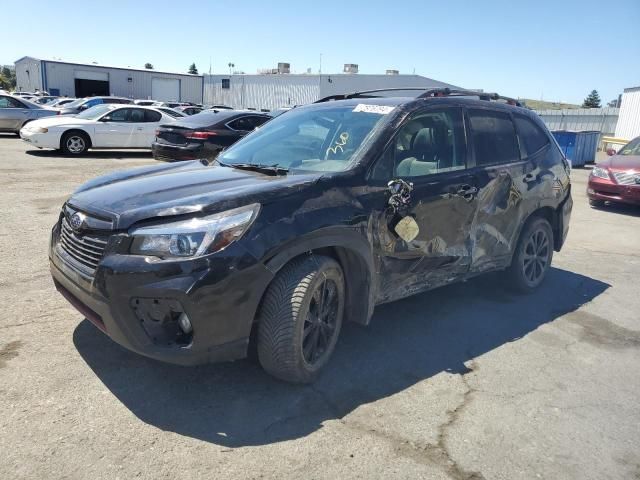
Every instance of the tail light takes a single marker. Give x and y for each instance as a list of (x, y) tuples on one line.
[(157, 132), (59, 112), (200, 135)]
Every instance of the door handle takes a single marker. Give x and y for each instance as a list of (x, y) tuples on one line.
[(139, 128), (529, 177), (467, 192)]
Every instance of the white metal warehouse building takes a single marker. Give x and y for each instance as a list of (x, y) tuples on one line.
[(83, 80), (628, 126), (271, 91)]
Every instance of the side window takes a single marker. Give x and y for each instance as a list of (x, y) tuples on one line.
[(8, 102), (493, 137), (428, 143), (532, 137), (244, 124), (93, 102), (152, 116), (136, 115), (257, 121), (120, 115)]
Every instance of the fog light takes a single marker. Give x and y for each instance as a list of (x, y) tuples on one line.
[(185, 323), (591, 191)]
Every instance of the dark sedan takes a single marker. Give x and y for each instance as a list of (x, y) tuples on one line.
[(617, 179), (204, 135)]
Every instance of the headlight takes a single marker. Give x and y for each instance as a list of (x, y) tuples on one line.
[(38, 129), (194, 237), (600, 172)]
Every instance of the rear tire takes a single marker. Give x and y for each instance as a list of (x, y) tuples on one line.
[(75, 143), (300, 318), (596, 203), (532, 257)]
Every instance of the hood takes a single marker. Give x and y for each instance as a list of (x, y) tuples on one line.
[(165, 190), (57, 120), (623, 162)]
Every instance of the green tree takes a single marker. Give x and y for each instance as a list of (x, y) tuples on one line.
[(592, 100), (148, 66), (7, 78), (193, 70)]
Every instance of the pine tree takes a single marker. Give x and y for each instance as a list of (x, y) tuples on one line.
[(148, 66), (592, 100), (193, 70)]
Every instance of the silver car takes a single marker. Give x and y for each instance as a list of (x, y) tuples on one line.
[(15, 112)]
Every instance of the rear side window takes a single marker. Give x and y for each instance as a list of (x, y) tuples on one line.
[(532, 137), (152, 116), (494, 137), (247, 123)]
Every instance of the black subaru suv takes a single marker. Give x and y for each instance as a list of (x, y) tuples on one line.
[(312, 220)]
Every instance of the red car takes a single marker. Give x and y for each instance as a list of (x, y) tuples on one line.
[(617, 179)]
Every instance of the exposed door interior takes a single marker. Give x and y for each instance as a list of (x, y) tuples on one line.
[(89, 88)]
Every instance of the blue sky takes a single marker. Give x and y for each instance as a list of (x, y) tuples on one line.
[(559, 50)]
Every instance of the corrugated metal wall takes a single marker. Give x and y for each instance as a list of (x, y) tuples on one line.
[(629, 121), (62, 76), (275, 91), (261, 91), (28, 74), (603, 120)]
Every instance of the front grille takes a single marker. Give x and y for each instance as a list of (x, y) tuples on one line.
[(627, 178), (87, 250)]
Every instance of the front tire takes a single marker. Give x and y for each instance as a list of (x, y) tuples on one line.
[(596, 203), (300, 318), (75, 143), (533, 256)]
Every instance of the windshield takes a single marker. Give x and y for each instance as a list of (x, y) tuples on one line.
[(316, 139), (95, 112), (631, 148)]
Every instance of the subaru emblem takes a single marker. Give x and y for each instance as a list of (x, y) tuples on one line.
[(77, 221)]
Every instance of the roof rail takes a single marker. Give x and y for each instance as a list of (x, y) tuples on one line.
[(365, 93), (446, 92), (427, 93)]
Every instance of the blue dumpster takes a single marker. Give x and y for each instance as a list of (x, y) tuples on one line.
[(579, 147)]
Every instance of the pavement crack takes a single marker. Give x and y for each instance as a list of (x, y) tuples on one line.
[(452, 468)]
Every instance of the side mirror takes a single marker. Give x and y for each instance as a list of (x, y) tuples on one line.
[(611, 152), (106, 118), (83, 107)]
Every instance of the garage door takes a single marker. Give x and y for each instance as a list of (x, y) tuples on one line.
[(165, 89)]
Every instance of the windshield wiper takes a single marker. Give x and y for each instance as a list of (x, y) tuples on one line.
[(256, 167)]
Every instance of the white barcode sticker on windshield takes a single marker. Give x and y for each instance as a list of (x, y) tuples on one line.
[(379, 109)]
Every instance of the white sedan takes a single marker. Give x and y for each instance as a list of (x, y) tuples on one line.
[(102, 126)]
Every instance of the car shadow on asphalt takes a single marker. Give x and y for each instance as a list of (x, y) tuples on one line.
[(620, 209), (237, 404), (93, 154)]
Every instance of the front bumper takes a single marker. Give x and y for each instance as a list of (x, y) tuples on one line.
[(608, 191), (219, 293), (40, 140)]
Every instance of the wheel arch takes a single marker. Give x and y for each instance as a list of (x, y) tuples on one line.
[(76, 130), (551, 215), (352, 252)]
